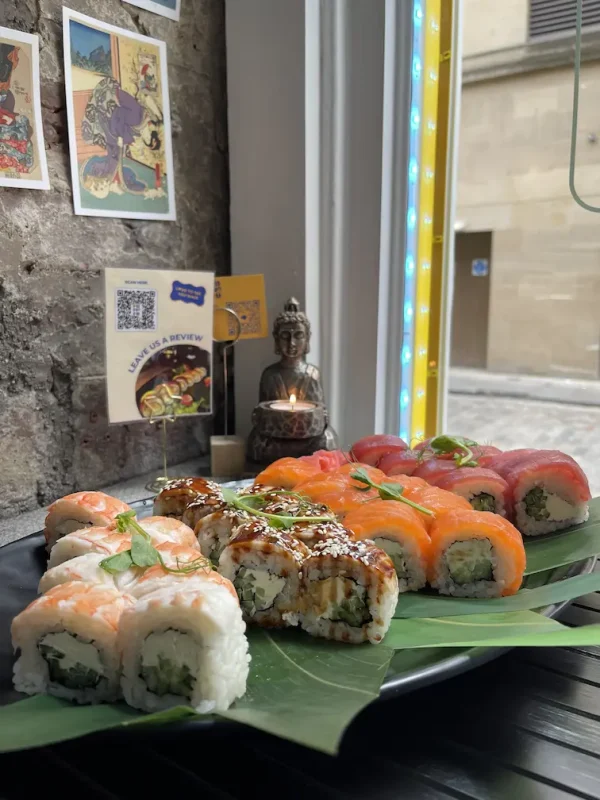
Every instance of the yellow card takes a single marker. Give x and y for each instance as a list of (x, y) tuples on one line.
[(244, 294)]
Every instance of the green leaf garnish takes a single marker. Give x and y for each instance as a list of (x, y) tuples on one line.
[(143, 554), (118, 563), (387, 491), (449, 444), (245, 503)]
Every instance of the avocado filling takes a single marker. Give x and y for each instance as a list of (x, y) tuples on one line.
[(257, 589), (395, 552), (484, 502), (341, 600), (535, 504), (470, 561), (170, 663), (72, 662)]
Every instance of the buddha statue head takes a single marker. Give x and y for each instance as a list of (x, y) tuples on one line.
[(291, 331)]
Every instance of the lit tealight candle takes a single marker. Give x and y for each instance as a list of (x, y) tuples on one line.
[(292, 405)]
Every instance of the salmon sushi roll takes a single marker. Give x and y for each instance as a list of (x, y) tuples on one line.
[(287, 473), (68, 643), (407, 482), (176, 496), (82, 568), (106, 541), (264, 565), (484, 489), (371, 449), (348, 591), (337, 496), (80, 510), (475, 554), (399, 531)]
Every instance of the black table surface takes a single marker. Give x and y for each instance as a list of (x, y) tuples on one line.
[(523, 727)]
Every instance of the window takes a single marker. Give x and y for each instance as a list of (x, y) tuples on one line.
[(556, 16)]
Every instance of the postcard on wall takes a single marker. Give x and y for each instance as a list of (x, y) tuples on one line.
[(22, 151), (119, 121), (245, 295), (166, 8), (159, 329)]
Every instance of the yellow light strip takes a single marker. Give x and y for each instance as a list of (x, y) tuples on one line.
[(439, 207), (431, 63)]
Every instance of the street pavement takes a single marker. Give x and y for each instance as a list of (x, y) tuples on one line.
[(509, 423)]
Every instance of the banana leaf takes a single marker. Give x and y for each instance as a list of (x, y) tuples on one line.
[(413, 604), (565, 547), (303, 689)]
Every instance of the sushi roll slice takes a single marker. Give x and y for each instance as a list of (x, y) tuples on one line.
[(152, 406), (68, 643), (216, 530), (80, 510), (264, 566), (186, 563), (400, 462), (106, 541), (287, 473), (484, 489), (167, 529), (550, 492), (371, 449), (184, 645), (177, 495), (433, 468), (204, 505), (312, 533), (399, 531), (82, 568), (348, 591), (475, 554), (437, 501)]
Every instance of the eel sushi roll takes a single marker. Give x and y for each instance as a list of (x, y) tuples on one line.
[(80, 510), (484, 489), (203, 506), (216, 530), (287, 473), (184, 645), (475, 554), (68, 643), (106, 541), (82, 568), (399, 531), (182, 564), (177, 495), (348, 591), (550, 492), (167, 529), (264, 565)]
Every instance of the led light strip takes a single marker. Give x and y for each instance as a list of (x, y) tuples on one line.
[(410, 262), (425, 225)]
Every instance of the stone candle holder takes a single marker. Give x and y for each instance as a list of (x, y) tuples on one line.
[(279, 433)]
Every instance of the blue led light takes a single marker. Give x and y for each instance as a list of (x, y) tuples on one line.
[(406, 355), (413, 170), (416, 70), (415, 118), (408, 312), (411, 219), (418, 15), (409, 266), (404, 401)]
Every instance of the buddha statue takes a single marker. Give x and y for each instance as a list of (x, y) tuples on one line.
[(290, 376)]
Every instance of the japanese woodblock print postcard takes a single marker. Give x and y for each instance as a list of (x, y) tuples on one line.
[(166, 8), (119, 121), (22, 151)]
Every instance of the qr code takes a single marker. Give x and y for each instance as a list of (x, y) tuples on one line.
[(248, 312), (136, 310)]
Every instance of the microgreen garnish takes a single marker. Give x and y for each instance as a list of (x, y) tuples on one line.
[(387, 491), (245, 503), (449, 444), (142, 552)]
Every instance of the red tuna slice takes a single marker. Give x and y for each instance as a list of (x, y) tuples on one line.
[(435, 468), (400, 462), (463, 481), (371, 449), (326, 460), (503, 463), (479, 451), (549, 465)]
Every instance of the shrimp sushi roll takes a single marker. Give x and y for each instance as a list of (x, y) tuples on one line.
[(168, 529), (82, 568), (348, 591), (371, 449), (550, 492), (182, 563), (106, 541), (184, 645), (484, 489), (68, 643), (475, 554), (80, 510), (264, 565), (287, 473), (176, 496), (399, 531)]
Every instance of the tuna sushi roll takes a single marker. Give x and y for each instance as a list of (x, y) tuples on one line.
[(348, 591), (82, 568), (106, 541), (68, 643), (475, 554), (484, 489), (399, 531), (433, 468), (184, 645), (371, 449), (502, 463), (400, 462), (177, 495), (264, 566), (80, 510), (550, 492), (287, 473)]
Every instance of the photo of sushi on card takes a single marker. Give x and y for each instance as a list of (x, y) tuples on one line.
[(175, 381)]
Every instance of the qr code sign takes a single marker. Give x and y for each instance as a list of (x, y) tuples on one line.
[(248, 312), (136, 309)]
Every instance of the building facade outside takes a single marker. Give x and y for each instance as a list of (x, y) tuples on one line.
[(527, 284)]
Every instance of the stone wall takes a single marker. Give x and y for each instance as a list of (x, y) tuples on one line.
[(54, 435)]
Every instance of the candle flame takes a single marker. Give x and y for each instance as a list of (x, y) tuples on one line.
[(293, 399)]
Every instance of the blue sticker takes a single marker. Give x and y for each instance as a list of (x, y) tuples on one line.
[(188, 293), (480, 267)]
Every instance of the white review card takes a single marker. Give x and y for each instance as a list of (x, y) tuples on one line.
[(159, 329)]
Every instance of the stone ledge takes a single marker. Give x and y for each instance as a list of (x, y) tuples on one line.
[(559, 390)]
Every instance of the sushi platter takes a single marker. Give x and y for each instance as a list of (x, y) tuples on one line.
[(246, 600)]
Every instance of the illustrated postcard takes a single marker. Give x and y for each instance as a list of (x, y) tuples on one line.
[(166, 8)]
